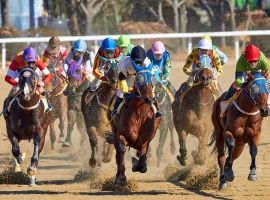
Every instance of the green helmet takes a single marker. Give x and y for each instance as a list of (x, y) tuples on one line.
[(123, 41)]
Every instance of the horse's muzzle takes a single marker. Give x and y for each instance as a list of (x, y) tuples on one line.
[(264, 112)]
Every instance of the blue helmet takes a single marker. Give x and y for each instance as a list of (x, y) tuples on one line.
[(108, 44), (30, 54), (80, 45)]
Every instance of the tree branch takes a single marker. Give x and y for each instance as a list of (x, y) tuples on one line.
[(180, 3), (153, 12)]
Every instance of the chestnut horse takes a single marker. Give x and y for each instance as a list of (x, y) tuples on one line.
[(136, 125), (194, 114), (58, 100), (94, 107), (166, 124), (241, 124), (27, 120)]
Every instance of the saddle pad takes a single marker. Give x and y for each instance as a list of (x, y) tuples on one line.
[(43, 100)]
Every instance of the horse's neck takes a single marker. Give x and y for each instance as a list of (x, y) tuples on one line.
[(201, 92), (106, 93), (246, 103), (33, 100)]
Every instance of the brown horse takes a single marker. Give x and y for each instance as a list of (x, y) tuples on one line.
[(58, 100), (136, 125), (241, 124), (94, 107), (27, 120), (194, 114)]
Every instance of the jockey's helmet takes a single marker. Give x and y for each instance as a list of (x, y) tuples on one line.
[(30, 55), (207, 37), (54, 44), (123, 41), (205, 44), (158, 47), (138, 54), (108, 44), (80, 45), (252, 53)]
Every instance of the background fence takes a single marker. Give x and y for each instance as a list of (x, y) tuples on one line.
[(189, 36)]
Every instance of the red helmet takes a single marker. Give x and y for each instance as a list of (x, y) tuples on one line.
[(252, 53)]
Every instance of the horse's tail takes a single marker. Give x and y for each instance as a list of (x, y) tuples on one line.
[(212, 141), (109, 138)]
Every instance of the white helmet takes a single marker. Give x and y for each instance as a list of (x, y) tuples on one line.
[(205, 44)]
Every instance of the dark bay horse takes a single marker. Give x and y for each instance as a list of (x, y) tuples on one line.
[(58, 100), (136, 125), (27, 120), (166, 123), (194, 114), (241, 124), (95, 106), (77, 83)]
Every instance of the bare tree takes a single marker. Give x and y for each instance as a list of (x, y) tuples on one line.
[(4, 13), (159, 14), (72, 15), (91, 8)]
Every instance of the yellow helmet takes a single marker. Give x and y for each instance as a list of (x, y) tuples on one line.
[(207, 37)]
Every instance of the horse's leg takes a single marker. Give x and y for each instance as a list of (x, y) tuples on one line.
[(201, 156), (18, 157), (81, 127), (220, 144), (92, 134), (253, 153), (141, 165), (52, 135), (183, 149), (230, 142), (71, 121), (62, 115), (120, 147), (163, 130), (171, 128), (107, 152)]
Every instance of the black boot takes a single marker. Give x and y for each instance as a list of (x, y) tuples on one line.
[(158, 114), (118, 101), (45, 94)]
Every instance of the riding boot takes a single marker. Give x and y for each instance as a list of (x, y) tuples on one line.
[(171, 90), (225, 103), (118, 101), (181, 91), (45, 94), (157, 114)]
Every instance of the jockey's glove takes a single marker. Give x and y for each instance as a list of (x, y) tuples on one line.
[(123, 86)]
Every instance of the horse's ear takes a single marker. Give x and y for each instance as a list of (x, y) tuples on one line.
[(198, 65), (212, 64)]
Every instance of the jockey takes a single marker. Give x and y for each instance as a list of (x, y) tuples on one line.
[(161, 60), (125, 47), (204, 47), (54, 55), (27, 58), (80, 54), (126, 73), (251, 60), (222, 56), (108, 50)]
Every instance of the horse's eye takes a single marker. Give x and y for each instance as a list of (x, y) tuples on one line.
[(199, 65), (140, 79), (78, 71), (212, 64), (255, 89)]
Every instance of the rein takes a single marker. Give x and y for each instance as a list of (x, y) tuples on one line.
[(134, 113)]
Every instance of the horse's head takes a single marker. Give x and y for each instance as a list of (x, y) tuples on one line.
[(111, 72), (74, 74), (27, 83), (258, 90), (205, 70), (144, 82)]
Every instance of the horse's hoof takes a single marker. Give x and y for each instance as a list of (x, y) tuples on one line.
[(120, 181), (32, 181), (252, 177), (31, 171), (223, 185), (66, 144), (17, 168), (182, 160), (93, 162), (144, 169), (105, 159), (62, 139), (229, 175), (198, 161)]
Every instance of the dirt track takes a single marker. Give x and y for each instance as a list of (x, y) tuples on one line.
[(56, 170)]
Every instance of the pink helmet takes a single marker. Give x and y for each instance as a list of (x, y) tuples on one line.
[(158, 47)]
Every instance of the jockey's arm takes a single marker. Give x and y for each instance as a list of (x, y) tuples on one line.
[(188, 65), (12, 73), (217, 64), (167, 68), (45, 71), (223, 57), (97, 63)]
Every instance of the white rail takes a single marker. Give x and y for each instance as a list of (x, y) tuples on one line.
[(234, 34)]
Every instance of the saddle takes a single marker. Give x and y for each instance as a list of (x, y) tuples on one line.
[(224, 105), (91, 95)]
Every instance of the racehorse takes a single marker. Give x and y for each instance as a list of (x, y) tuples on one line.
[(136, 124), (241, 124), (58, 100), (27, 120), (166, 124), (94, 107), (194, 114), (77, 83)]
